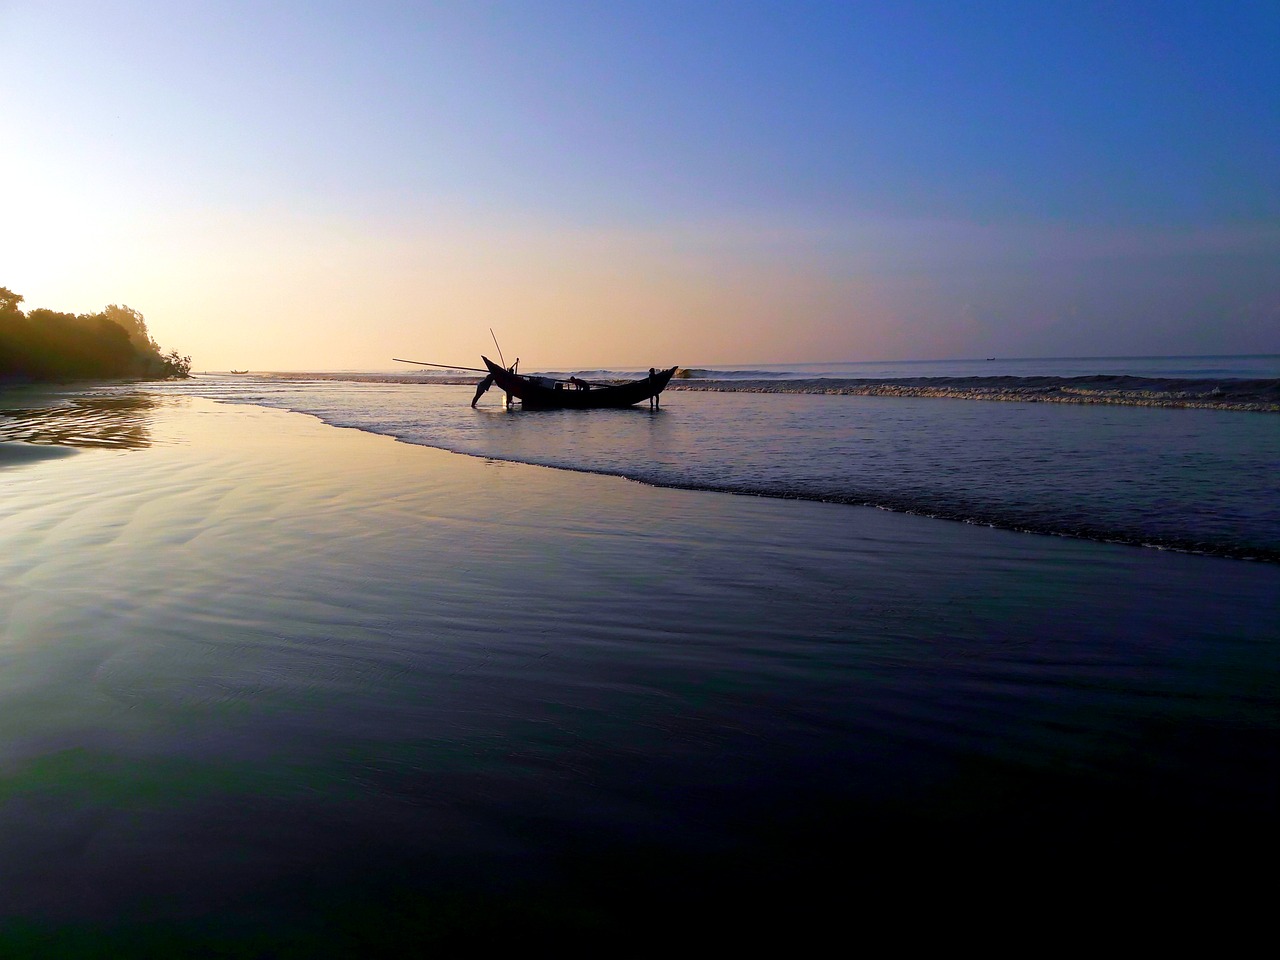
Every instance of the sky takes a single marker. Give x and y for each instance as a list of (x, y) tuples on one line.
[(328, 185)]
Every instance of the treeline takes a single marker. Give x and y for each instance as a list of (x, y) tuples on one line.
[(46, 345)]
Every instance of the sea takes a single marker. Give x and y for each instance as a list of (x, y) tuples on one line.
[(1175, 453), (809, 657)]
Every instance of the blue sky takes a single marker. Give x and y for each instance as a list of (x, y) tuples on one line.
[(328, 185)]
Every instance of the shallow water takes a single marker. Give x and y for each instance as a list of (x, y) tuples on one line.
[(265, 685), (1195, 480)]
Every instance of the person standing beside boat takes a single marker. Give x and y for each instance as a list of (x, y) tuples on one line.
[(481, 387)]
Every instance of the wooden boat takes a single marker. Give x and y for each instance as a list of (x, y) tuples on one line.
[(546, 393)]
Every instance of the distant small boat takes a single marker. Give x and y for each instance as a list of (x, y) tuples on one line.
[(239, 371), (548, 393)]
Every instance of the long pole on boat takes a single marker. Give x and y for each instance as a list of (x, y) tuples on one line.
[(495, 343), (443, 366)]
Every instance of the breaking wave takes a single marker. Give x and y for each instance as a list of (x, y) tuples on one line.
[(1258, 395)]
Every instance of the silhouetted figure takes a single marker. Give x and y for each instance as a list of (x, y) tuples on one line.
[(653, 400), (481, 387)]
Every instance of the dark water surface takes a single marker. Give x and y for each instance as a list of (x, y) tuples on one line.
[(268, 688)]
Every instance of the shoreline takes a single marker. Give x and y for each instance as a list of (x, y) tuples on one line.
[(113, 420)]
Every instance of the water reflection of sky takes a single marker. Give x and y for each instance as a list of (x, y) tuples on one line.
[(114, 421)]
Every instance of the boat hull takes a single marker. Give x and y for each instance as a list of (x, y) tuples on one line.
[(535, 396)]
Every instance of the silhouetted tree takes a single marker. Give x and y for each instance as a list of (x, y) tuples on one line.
[(48, 345), (9, 301)]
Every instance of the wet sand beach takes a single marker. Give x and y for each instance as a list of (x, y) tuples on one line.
[(275, 687)]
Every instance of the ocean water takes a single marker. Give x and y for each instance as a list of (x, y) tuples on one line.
[(268, 688), (1231, 367), (1202, 480), (1249, 367)]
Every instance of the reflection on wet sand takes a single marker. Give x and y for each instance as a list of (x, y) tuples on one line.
[(121, 422)]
